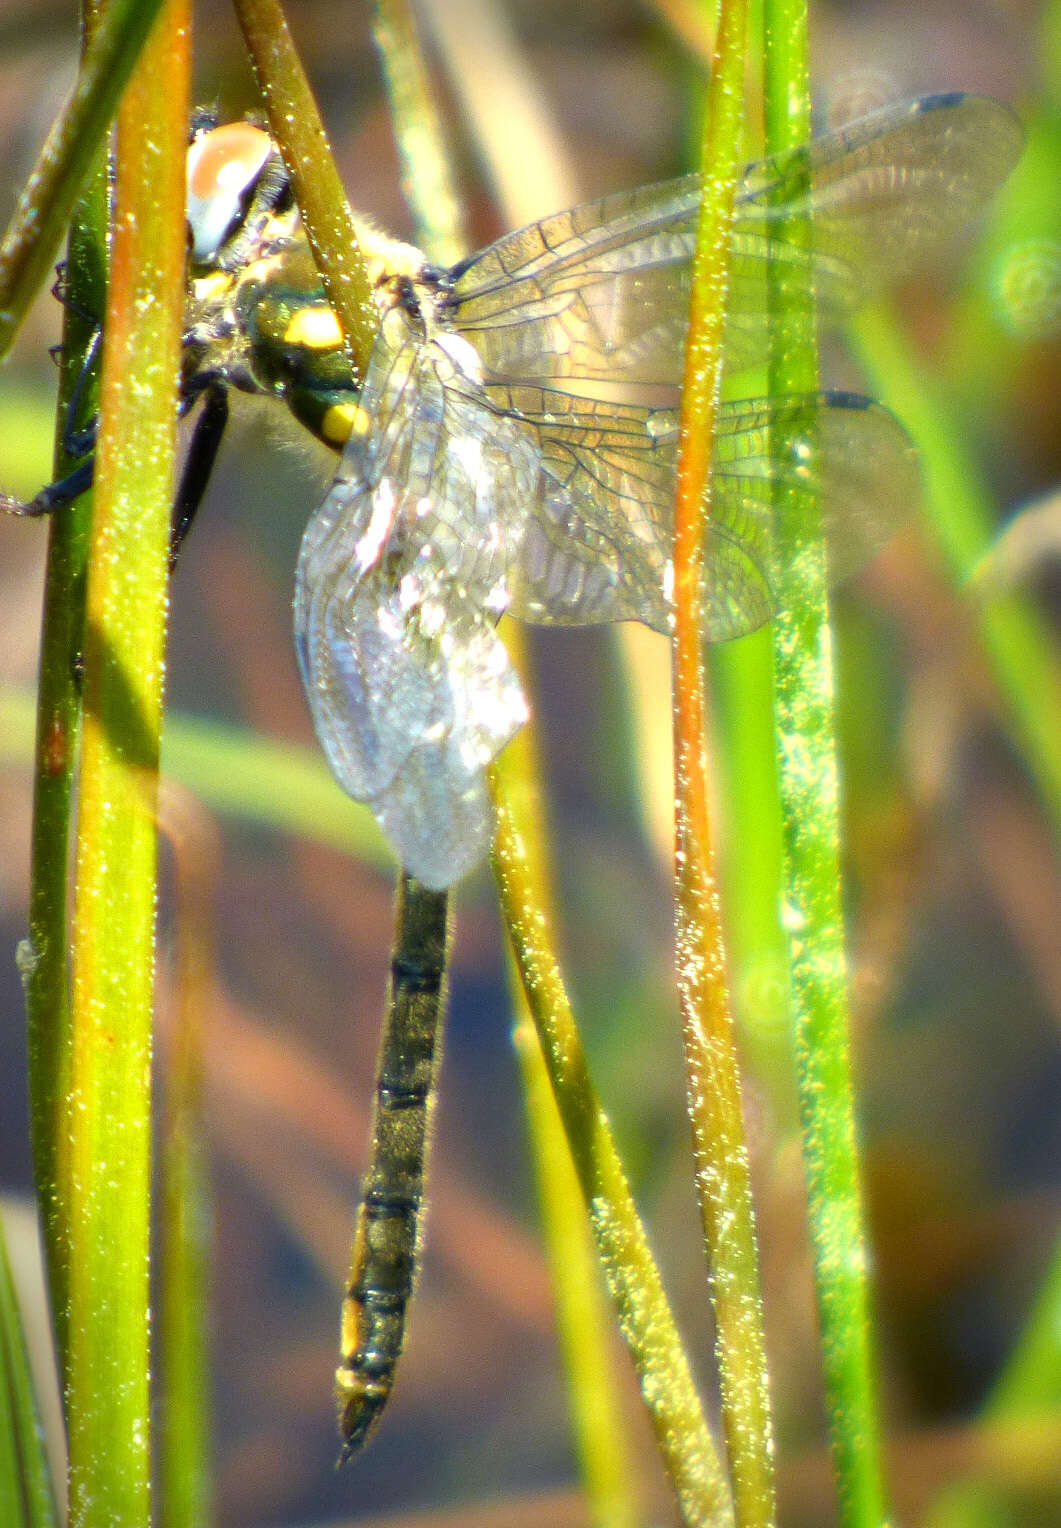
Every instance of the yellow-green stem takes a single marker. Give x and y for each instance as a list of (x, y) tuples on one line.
[(43, 958), (184, 1264), (108, 1412), (633, 1280), (44, 208), (295, 123)]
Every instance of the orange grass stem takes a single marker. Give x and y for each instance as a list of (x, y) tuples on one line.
[(713, 1078)]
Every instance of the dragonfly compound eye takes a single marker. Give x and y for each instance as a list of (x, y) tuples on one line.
[(223, 167)]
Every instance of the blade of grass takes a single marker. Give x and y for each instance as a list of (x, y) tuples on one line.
[(108, 1411), (809, 789), (43, 956), (426, 176), (27, 1499), (274, 785), (44, 208), (295, 124), (744, 763), (184, 1282), (633, 1280), (813, 893), (713, 1077), (1015, 259), (1027, 1393), (600, 1435)]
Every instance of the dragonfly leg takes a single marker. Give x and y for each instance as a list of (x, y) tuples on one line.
[(198, 466)]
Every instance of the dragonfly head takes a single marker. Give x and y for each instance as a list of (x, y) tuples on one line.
[(237, 182)]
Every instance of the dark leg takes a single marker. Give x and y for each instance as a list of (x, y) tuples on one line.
[(198, 465), (56, 495)]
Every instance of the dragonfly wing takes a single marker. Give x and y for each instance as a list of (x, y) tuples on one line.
[(601, 293), (401, 578), (857, 469), (886, 195), (599, 545), (438, 814)]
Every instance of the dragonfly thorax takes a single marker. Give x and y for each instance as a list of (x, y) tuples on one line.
[(257, 318)]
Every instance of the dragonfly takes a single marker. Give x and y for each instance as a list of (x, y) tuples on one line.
[(512, 450), (500, 460)]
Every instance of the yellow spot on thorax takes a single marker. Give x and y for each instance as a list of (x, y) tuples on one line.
[(343, 420), (212, 287), (314, 328)]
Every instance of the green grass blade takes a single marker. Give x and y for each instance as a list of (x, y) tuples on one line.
[(813, 890), (1031, 1380), (744, 760), (108, 1408), (600, 1435), (184, 1234), (26, 1495), (1023, 1408), (265, 784), (44, 209), (44, 955)]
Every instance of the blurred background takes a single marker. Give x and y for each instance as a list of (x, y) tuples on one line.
[(954, 880)]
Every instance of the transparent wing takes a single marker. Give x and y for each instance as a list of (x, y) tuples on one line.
[(602, 292), (599, 546), (401, 577)]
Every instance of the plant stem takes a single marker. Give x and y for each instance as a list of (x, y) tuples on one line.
[(44, 955), (44, 208), (295, 123), (813, 891), (108, 1413), (633, 1280), (713, 1077)]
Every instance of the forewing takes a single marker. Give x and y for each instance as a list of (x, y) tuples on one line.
[(601, 293), (401, 577), (886, 195), (600, 547)]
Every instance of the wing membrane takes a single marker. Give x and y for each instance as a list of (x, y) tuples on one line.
[(602, 292), (599, 547), (400, 579)]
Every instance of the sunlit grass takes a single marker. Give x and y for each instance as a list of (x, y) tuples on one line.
[(288, 790)]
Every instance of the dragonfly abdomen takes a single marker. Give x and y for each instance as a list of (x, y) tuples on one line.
[(390, 1222)]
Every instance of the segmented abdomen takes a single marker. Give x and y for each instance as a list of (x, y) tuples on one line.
[(389, 1223)]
